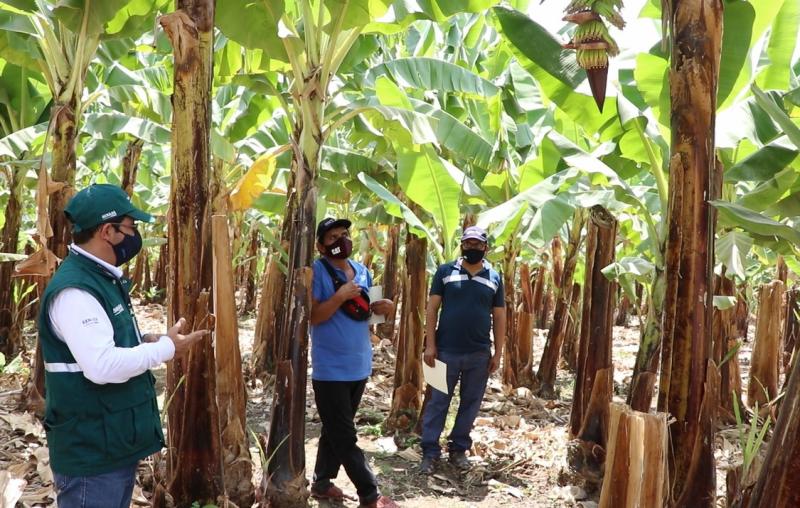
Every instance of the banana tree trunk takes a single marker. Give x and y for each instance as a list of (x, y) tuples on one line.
[(636, 462), (65, 131), (10, 313), (777, 483), (547, 304), (791, 327), (160, 276), (689, 379), (284, 481), (589, 418), (725, 353), (645, 371), (764, 365), (130, 165), (538, 281), (390, 279), (62, 175), (525, 322), (251, 272), (509, 275), (623, 311), (138, 272), (781, 270), (556, 249), (147, 278), (231, 392), (408, 382), (195, 461), (546, 375), (569, 350), (266, 321), (369, 247)]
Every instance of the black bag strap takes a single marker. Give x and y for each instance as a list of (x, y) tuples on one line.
[(337, 282)]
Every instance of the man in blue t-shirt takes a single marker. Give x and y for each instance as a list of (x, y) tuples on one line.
[(341, 359), (470, 294)]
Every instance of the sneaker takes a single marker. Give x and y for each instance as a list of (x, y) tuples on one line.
[(428, 465), (381, 502), (459, 460)]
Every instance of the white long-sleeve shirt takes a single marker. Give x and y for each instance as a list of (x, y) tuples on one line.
[(78, 319)]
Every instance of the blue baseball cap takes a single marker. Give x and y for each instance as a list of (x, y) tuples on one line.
[(474, 233)]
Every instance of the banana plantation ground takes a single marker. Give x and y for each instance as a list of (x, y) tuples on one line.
[(520, 440)]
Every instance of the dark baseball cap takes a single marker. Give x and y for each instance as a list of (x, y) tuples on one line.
[(101, 203), (329, 223), (474, 233)]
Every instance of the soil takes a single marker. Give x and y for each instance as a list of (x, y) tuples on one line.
[(518, 456)]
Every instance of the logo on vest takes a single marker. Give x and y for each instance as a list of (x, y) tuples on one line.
[(118, 309)]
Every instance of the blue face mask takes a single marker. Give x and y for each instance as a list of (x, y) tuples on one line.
[(128, 248)]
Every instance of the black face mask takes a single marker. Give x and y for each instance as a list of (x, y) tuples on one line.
[(128, 248), (473, 256), (340, 249)]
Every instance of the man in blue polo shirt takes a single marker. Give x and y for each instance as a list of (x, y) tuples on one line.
[(341, 358), (470, 294)]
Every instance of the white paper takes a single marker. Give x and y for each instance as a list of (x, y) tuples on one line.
[(436, 376), (375, 294)]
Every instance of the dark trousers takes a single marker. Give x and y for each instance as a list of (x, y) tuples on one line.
[(472, 369), (337, 402)]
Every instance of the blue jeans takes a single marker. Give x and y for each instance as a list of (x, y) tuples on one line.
[(473, 371), (106, 490)]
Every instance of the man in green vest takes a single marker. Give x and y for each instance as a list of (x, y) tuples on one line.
[(101, 414)]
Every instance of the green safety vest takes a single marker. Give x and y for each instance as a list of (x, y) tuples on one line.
[(91, 428)]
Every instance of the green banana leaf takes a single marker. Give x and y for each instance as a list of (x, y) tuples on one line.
[(776, 112), (763, 164), (731, 250), (405, 12), (344, 161), (549, 219), (745, 23), (745, 120), (17, 143), (396, 208), (738, 19), (100, 13), (733, 215), (768, 192), (110, 124), (457, 137), (424, 179), (782, 41), (432, 74), (252, 24), (135, 17), (358, 13), (651, 75), (24, 94)]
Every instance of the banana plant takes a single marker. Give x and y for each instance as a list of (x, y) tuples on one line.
[(308, 42), (62, 39), (24, 100)]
